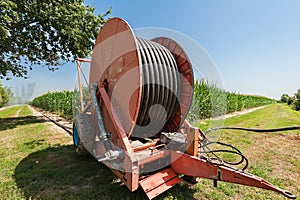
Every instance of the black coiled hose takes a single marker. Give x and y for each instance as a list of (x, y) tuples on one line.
[(204, 148), (161, 86)]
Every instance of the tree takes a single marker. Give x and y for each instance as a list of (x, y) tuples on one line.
[(45, 32), (291, 100), (297, 100), (4, 96), (284, 98)]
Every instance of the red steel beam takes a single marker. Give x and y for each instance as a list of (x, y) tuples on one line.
[(115, 120), (192, 166)]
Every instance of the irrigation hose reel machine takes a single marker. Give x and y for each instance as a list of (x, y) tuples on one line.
[(134, 118)]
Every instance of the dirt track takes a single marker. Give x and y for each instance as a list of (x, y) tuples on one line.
[(238, 113)]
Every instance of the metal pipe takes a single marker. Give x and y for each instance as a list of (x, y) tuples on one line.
[(103, 134), (145, 146)]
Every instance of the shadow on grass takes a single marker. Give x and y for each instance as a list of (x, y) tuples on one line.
[(58, 173), (13, 122)]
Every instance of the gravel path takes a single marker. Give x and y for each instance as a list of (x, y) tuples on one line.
[(242, 112), (5, 107)]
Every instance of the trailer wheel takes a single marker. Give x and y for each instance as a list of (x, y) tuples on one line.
[(79, 147)]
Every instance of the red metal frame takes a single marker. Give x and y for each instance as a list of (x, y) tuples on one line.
[(185, 163), (159, 182), (115, 120), (180, 163)]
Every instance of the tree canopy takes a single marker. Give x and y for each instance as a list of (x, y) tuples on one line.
[(297, 100), (284, 98), (45, 32), (293, 101)]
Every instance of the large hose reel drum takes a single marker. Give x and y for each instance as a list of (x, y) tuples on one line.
[(150, 83)]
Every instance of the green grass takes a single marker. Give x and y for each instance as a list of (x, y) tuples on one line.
[(38, 162), (9, 111), (272, 156)]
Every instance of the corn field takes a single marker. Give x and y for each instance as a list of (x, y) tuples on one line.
[(208, 101), (57, 102), (211, 101)]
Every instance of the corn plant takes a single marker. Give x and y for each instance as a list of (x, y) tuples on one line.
[(211, 101), (208, 101), (57, 102)]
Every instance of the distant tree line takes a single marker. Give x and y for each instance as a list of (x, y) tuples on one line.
[(293, 101)]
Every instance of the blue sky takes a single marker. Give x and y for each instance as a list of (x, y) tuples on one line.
[(254, 44)]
